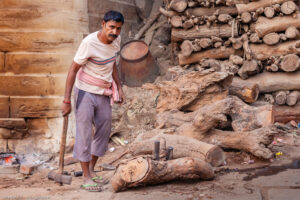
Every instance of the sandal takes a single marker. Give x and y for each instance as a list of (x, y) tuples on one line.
[(99, 179), (94, 187)]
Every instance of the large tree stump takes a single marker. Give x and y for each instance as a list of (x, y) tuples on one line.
[(255, 5), (145, 171), (254, 141), (272, 82), (186, 90)]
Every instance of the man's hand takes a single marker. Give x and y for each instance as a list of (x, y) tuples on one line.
[(122, 96), (66, 109)]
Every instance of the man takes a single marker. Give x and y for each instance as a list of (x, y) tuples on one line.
[(96, 85)]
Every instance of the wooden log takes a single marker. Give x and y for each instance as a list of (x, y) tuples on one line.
[(13, 123), (178, 5), (186, 48), (235, 59), (249, 68), (292, 98), (254, 38), (264, 25), (188, 24), (290, 63), (272, 82), (176, 21), (263, 51), (285, 114), (288, 7), (280, 97), (269, 12), (143, 171), (271, 38), (168, 13), (246, 17), (269, 98), (202, 11), (223, 31), (272, 68), (246, 92), (210, 53), (276, 7), (254, 142), (253, 6), (183, 147), (204, 43), (292, 32), (237, 43), (224, 18)]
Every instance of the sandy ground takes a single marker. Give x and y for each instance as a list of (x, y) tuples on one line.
[(281, 183)]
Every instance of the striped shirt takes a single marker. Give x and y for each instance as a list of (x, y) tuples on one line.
[(97, 59)]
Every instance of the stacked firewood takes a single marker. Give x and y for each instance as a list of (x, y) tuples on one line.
[(242, 37)]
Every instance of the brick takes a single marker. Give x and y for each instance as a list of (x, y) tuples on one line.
[(35, 107), (43, 19), (47, 63), (32, 85), (2, 57), (13, 123), (4, 106), (27, 169), (39, 41)]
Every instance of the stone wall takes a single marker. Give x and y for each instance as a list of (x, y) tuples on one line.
[(38, 39)]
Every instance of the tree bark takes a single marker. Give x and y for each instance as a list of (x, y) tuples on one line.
[(264, 25), (263, 51), (210, 53), (290, 63), (201, 11), (223, 31), (247, 92), (293, 98), (253, 6), (271, 38), (272, 82), (143, 171)]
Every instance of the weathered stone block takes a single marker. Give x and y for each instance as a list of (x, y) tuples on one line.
[(35, 107), (13, 123), (38, 126), (47, 63), (12, 134), (2, 57), (32, 85), (4, 106), (39, 41)]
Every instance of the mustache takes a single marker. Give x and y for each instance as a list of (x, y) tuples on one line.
[(113, 35)]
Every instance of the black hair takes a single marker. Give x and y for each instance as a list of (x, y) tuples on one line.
[(114, 16)]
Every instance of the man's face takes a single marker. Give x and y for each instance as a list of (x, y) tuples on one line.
[(111, 29)]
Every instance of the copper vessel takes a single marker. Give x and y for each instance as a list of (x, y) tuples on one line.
[(137, 64)]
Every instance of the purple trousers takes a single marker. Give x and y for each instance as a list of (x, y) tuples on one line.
[(91, 109)]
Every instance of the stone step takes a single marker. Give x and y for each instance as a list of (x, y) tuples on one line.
[(27, 62)]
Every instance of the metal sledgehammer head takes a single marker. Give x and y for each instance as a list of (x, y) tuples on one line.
[(60, 178)]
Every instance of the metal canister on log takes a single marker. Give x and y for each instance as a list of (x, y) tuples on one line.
[(137, 64)]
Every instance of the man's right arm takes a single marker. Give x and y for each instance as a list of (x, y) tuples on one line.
[(66, 107)]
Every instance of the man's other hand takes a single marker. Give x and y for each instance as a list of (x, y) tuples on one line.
[(66, 109)]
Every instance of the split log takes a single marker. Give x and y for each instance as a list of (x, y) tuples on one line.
[(269, 98), (271, 38), (182, 147), (292, 32), (186, 48), (224, 18), (280, 97), (253, 6), (223, 31), (290, 63), (255, 141), (288, 7), (204, 43), (143, 171), (248, 93), (210, 53), (249, 68), (264, 25), (246, 17), (201, 11), (176, 21), (284, 114), (293, 98), (269, 12), (186, 90), (178, 5), (188, 24), (263, 51), (272, 82)]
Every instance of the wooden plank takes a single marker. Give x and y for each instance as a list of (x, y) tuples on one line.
[(29, 62), (4, 106), (35, 107), (39, 41), (32, 85), (13, 123)]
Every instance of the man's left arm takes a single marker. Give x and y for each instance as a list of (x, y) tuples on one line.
[(118, 82)]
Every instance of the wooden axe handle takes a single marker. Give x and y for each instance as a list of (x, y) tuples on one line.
[(63, 144)]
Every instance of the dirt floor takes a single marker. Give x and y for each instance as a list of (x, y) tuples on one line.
[(243, 177)]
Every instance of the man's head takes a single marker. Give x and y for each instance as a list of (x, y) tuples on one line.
[(112, 24)]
